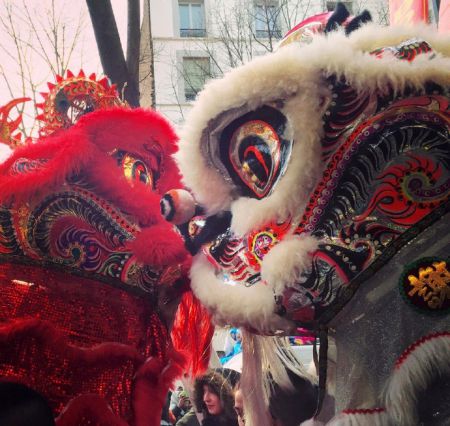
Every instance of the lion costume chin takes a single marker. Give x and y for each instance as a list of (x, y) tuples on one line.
[(333, 159)]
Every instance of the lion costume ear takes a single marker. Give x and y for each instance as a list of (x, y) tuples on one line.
[(340, 17)]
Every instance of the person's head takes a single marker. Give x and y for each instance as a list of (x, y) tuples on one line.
[(212, 400), (185, 402), (22, 406), (213, 395), (233, 332), (239, 405)]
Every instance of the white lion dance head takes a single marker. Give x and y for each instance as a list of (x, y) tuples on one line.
[(332, 162)]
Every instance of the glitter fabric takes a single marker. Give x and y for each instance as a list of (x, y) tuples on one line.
[(379, 322), (91, 338), (77, 306)]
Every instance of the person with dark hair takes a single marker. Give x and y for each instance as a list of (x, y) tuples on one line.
[(183, 406), (189, 419), (23, 406), (213, 396)]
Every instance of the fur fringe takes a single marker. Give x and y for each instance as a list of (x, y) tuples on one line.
[(265, 362), (246, 305), (159, 245), (419, 365), (284, 264), (192, 334), (88, 407), (361, 417), (253, 383), (87, 147)]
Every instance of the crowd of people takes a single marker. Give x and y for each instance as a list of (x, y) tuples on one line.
[(216, 399), (210, 403)]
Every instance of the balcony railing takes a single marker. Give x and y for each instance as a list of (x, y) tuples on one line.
[(192, 32)]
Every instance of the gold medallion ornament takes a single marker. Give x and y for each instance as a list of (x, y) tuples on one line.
[(426, 284)]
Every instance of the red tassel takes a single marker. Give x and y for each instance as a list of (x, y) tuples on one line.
[(192, 333)]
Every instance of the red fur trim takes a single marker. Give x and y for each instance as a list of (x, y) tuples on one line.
[(110, 128), (152, 383), (105, 353), (192, 333), (87, 146), (89, 409), (418, 343), (65, 154), (159, 245)]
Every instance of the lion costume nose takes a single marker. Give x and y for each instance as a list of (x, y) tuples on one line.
[(177, 206)]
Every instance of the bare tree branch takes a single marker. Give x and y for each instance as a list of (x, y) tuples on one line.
[(133, 44), (35, 37), (110, 48)]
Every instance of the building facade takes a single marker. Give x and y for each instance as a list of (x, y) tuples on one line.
[(195, 40)]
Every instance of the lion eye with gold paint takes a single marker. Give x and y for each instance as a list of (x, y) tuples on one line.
[(135, 169)]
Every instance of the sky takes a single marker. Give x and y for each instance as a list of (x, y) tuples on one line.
[(85, 53), (70, 14)]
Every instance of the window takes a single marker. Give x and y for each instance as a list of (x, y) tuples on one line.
[(195, 73), (192, 19), (331, 5), (266, 22)]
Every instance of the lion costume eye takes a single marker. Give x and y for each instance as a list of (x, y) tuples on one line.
[(134, 169), (255, 151)]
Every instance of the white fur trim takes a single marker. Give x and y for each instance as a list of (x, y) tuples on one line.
[(371, 37), (311, 422), (360, 419), (283, 265), (415, 371), (294, 74), (265, 360), (235, 304), (254, 382)]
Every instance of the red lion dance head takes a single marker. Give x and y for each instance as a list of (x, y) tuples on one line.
[(90, 272)]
